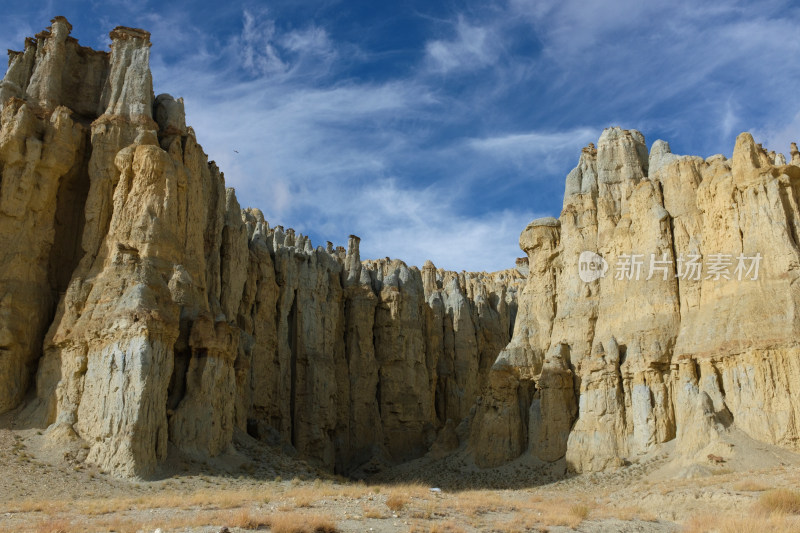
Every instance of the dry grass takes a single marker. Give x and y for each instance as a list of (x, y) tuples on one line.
[(446, 527), (439, 527), (529, 520), (35, 506), (370, 511), (301, 523), (207, 499), (304, 500), (707, 523), (781, 501), (297, 494), (627, 513), (53, 525), (523, 522), (243, 518), (396, 501), (427, 511), (204, 498), (474, 503), (412, 490), (579, 510), (306, 495), (556, 512), (445, 512), (247, 519), (749, 486)]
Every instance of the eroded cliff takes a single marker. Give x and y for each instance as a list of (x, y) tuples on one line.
[(661, 305), (152, 311), (141, 308)]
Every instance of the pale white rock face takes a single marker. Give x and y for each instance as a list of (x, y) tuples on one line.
[(129, 88)]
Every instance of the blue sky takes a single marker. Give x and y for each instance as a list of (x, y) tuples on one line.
[(438, 130)]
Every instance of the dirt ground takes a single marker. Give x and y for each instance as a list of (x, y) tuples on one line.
[(47, 489)]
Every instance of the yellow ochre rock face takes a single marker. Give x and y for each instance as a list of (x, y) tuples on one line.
[(143, 308), (665, 296)]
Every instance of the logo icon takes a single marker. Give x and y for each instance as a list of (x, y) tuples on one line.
[(591, 266)]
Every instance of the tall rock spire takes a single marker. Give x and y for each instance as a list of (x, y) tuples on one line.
[(128, 91)]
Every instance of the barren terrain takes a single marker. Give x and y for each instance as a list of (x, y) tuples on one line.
[(255, 487)]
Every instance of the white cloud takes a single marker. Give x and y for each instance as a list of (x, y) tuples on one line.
[(452, 242), (312, 40), (323, 158), (570, 27), (540, 153), (420, 224), (473, 47), (13, 33), (256, 44), (536, 142), (781, 135), (496, 109), (729, 120)]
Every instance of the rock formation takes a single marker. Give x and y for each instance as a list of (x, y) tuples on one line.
[(152, 311), (141, 308), (692, 329)]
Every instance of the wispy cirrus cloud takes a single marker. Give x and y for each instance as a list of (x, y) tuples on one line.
[(473, 47), (666, 65), (540, 150), (421, 168), (438, 131), (257, 46)]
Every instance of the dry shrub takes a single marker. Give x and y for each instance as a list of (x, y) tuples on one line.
[(304, 500), (781, 501), (396, 501), (300, 523), (579, 510)]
